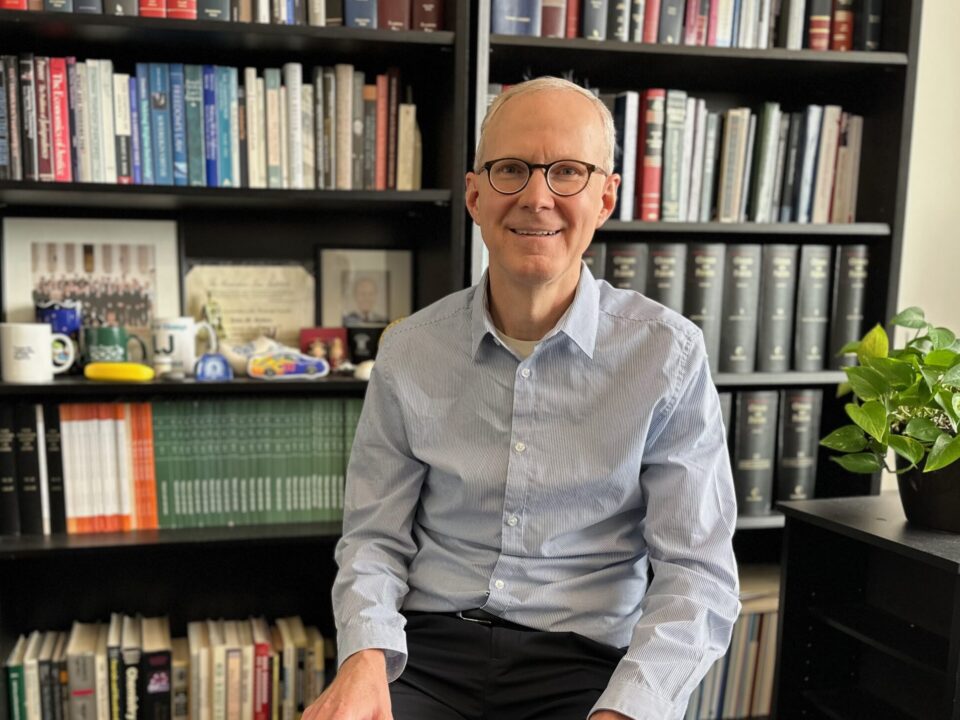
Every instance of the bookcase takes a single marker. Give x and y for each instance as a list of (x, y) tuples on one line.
[(277, 570), (873, 632)]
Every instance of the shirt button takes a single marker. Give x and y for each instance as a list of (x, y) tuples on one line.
[(525, 373), (512, 522), (519, 447), (499, 584)]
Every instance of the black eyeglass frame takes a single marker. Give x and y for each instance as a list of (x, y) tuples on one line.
[(546, 174)]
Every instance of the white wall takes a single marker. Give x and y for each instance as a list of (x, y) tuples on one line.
[(930, 269)]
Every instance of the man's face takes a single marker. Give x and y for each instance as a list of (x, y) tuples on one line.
[(536, 238), (365, 295)]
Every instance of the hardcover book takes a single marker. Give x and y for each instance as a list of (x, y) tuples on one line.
[(741, 297), (703, 294), (666, 265), (849, 301), (753, 451), (812, 308), (799, 443), (778, 286), (627, 266)]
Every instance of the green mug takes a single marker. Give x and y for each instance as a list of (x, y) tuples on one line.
[(110, 344)]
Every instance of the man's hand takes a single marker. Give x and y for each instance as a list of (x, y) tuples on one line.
[(358, 692), (608, 715)]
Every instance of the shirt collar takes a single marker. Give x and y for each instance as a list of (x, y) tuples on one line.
[(579, 322)]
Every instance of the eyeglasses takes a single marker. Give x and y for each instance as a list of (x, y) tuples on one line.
[(508, 176)]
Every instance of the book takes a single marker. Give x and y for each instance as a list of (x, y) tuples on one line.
[(81, 670), (627, 266), (798, 443), (131, 649), (670, 31), (618, 20), (626, 112), (180, 688), (675, 115), (160, 123), (703, 294), (812, 308), (16, 692), (841, 35), (178, 123), (520, 17), (666, 267), (595, 258), (9, 493), (867, 24), (778, 287), (851, 273), (27, 460), (826, 164), (155, 667), (753, 450), (428, 15), (741, 298), (553, 18), (361, 13), (393, 14), (818, 24), (54, 467), (650, 153)]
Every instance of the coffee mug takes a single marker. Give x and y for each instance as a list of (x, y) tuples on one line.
[(64, 316), (27, 352), (110, 343), (176, 339)]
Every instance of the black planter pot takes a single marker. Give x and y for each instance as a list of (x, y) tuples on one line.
[(932, 500)]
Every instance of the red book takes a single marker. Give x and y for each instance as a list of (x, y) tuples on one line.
[(13, 4), (60, 119), (393, 106), (181, 9), (842, 36), (427, 15), (712, 19), (651, 21), (553, 18), (818, 24), (691, 16), (393, 14), (380, 166), (650, 153), (573, 19), (153, 8)]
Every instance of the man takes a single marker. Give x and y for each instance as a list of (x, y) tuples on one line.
[(366, 293), (529, 449)]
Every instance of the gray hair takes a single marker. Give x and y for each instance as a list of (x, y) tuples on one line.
[(551, 83)]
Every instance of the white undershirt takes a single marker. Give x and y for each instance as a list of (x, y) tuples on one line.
[(523, 348)]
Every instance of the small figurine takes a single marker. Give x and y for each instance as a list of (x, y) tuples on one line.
[(213, 367), (237, 354), (286, 364)]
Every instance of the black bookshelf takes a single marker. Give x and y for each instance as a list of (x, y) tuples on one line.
[(792, 232), (73, 389)]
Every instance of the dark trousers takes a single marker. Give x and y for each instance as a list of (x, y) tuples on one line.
[(461, 670)]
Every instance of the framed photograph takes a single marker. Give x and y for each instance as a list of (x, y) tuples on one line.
[(123, 272), (244, 300), (364, 288)]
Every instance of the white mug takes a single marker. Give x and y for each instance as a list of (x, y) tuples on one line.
[(176, 339), (27, 352)]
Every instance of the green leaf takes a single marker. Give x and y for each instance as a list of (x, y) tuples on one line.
[(858, 463), (867, 383), (923, 429), (944, 451), (941, 338), (907, 448), (922, 344), (850, 348), (874, 344), (931, 375), (944, 399), (871, 417), (843, 389), (940, 358), (848, 438), (955, 402), (897, 373), (912, 317), (952, 376)]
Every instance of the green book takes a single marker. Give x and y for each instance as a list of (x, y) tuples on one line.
[(162, 461), (16, 695)]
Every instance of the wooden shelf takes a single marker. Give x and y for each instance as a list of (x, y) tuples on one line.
[(794, 378), (762, 522), (854, 704), (70, 388), (891, 635), (170, 198), (32, 546), (796, 231)]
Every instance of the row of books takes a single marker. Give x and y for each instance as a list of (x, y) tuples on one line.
[(766, 308), (426, 15), (109, 467), (681, 163), (774, 441), (792, 24), (740, 685), (132, 669), (64, 120)]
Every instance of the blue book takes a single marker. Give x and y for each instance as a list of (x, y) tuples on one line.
[(361, 13), (224, 138), (235, 124), (291, 13), (136, 156), (178, 117), (146, 140), (515, 17), (735, 31), (210, 144), (193, 100), (160, 123), (72, 104)]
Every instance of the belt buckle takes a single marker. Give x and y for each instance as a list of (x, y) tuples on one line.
[(474, 620)]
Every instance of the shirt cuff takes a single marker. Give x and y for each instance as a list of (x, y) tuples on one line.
[(393, 641), (636, 703)]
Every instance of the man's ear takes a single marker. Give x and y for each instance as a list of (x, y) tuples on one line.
[(608, 199), (472, 196)]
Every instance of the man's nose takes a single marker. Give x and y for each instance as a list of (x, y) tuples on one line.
[(537, 194)]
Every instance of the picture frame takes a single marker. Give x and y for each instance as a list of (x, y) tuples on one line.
[(128, 271), (363, 288)]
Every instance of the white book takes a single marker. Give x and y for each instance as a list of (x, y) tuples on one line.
[(247, 676), (330, 128), (792, 17), (855, 142), (768, 140), (284, 131), (317, 13), (293, 83), (344, 126), (747, 27), (697, 155), (102, 670), (198, 638), (123, 427), (308, 132), (686, 159), (94, 121), (121, 123), (628, 183), (108, 138), (318, 124), (31, 675), (763, 24), (732, 155), (406, 145), (234, 127), (725, 23), (253, 127), (261, 121), (82, 120), (218, 667), (826, 163), (43, 476), (273, 123), (261, 9), (783, 135), (111, 500), (809, 144), (711, 165)]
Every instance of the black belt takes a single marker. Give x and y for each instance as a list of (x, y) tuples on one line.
[(481, 617)]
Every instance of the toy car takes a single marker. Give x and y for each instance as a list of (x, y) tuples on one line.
[(286, 364)]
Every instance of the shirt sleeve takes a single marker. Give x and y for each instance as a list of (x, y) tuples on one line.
[(373, 554), (690, 607)]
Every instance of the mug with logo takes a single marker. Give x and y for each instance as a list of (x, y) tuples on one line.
[(175, 343), (27, 352), (64, 316), (110, 344)]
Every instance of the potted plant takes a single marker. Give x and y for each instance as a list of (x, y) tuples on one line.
[(907, 399)]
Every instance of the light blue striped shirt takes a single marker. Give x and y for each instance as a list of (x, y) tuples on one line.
[(545, 490)]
